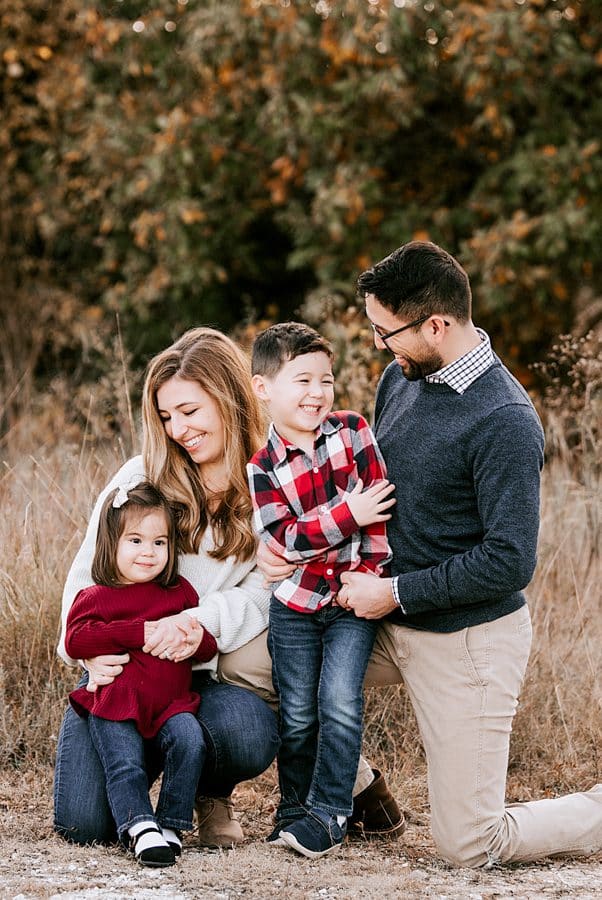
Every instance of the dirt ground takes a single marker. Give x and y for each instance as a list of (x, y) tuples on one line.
[(34, 863)]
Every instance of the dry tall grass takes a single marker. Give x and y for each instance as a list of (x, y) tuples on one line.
[(48, 483)]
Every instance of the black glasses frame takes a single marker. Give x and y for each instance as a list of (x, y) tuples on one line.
[(389, 334)]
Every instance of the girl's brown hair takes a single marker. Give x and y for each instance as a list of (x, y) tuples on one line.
[(141, 499), (220, 368)]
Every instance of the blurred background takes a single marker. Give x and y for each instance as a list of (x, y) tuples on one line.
[(180, 162), (174, 163)]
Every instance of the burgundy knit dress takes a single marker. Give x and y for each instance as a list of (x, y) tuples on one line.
[(111, 620)]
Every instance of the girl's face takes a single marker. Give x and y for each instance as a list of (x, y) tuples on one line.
[(192, 419), (143, 548)]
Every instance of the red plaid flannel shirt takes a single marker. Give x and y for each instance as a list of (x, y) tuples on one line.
[(301, 513)]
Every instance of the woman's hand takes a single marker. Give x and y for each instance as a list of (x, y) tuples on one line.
[(174, 637), (104, 669), (271, 566)]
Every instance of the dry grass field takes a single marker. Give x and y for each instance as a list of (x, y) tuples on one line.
[(49, 476)]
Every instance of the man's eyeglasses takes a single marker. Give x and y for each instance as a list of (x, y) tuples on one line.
[(386, 335)]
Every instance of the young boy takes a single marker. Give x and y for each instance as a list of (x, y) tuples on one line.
[(320, 499)]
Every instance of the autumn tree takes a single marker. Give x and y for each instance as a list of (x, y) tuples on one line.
[(179, 162)]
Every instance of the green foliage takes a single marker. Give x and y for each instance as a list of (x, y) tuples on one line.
[(180, 161)]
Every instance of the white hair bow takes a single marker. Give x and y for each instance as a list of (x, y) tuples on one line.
[(120, 498)]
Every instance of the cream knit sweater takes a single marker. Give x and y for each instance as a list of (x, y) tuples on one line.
[(233, 604)]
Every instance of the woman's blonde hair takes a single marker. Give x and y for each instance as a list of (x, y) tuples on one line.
[(219, 367)]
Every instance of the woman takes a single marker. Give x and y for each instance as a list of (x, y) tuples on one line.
[(201, 423)]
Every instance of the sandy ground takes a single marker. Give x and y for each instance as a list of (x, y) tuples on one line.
[(34, 863)]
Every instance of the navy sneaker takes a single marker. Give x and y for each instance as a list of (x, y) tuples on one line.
[(315, 834)]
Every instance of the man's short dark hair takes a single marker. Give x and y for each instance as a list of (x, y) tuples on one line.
[(280, 343), (419, 279)]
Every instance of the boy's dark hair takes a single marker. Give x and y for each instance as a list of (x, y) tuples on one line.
[(141, 499), (419, 279), (280, 343)]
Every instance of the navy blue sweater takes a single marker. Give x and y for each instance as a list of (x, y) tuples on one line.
[(467, 472)]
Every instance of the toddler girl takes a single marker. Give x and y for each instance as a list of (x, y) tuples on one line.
[(136, 583)]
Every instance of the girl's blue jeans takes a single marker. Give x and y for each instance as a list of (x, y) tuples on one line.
[(319, 660), (240, 739), (121, 750)]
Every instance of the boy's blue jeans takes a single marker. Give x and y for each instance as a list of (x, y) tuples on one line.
[(121, 750), (319, 660)]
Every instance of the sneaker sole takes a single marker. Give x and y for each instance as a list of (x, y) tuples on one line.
[(291, 841), (156, 865), (277, 842)]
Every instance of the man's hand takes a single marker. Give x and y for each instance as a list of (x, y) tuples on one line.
[(104, 669), (369, 596), (271, 566), (370, 505)]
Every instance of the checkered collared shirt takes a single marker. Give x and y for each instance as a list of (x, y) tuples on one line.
[(459, 375), (301, 513)]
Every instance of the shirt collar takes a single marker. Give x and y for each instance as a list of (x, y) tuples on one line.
[(462, 372), (279, 447)]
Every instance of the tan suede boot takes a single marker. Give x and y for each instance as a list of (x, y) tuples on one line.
[(218, 825), (375, 811)]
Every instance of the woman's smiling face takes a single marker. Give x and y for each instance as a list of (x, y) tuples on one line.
[(191, 418)]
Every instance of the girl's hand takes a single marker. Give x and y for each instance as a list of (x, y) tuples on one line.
[(370, 505), (272, 566), (174, 637), (104, 669)]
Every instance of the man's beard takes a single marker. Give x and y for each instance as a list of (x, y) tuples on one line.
[(415, 370)]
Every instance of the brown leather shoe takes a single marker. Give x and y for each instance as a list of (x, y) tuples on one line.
[(375, 811), (218, 825)]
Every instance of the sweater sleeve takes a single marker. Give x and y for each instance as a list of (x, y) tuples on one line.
[(506, 457), (206, 649), (90, 630), (80, 573)]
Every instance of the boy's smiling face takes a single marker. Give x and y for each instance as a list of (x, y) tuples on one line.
[(300, 396)]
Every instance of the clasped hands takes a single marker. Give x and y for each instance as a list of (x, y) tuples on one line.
[(369, 596), (174, 637)]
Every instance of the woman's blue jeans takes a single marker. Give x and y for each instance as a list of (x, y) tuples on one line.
[(240, 735), (319, 661), (121, 749)]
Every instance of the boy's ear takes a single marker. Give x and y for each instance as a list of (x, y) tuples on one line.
[(259, 387)]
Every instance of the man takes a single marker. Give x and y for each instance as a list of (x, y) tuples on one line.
[(464, 448)]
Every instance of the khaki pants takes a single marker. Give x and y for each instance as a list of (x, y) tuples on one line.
[(464, 688)]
